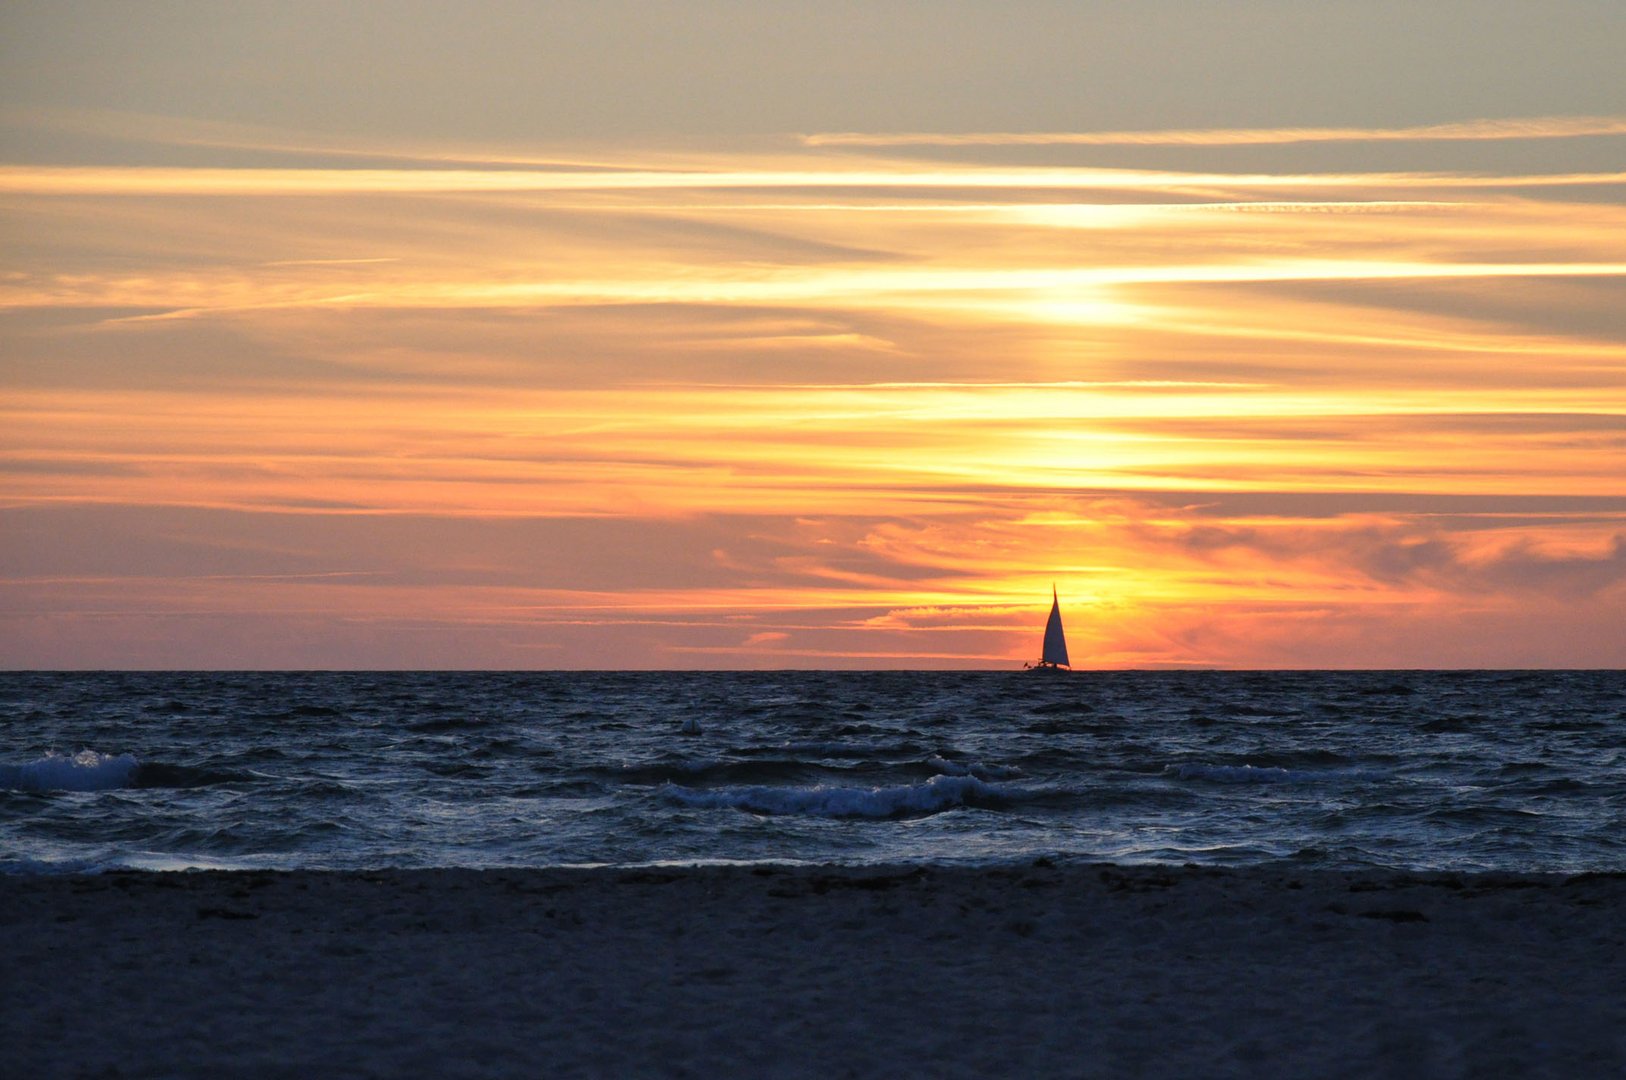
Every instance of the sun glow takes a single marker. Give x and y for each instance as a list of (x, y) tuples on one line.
[(819, 404)]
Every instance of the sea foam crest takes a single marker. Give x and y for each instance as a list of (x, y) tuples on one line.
[(973, 768), (1260, 774), (937, 794), (85, 771)]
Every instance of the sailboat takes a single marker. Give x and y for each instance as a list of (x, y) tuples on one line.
[(1055, 642)]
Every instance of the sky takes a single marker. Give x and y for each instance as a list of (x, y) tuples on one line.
[(762, 335)]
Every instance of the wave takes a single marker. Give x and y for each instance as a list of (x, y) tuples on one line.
[(90, 771), (1062, 708), (908, 800), (712, 771), (157, 774), (1259, 774), (85, 771), (836, 750), (440, 725), (972, 768)]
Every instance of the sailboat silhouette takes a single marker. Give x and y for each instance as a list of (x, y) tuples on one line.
[(1054, 657)]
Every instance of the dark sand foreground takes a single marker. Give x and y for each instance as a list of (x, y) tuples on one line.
[(1073, 971)]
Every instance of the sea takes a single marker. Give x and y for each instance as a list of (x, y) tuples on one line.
[(1519, 771)]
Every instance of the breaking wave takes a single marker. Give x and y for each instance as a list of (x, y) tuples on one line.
[(907, 800), (972, 768), (85, 771), (1259, 774), (90, 771)]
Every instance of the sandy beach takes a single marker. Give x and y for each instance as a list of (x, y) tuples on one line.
[(731, 971)]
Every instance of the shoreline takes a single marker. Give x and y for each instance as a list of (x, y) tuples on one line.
[(1075, 970)]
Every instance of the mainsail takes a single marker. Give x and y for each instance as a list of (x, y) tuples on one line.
[(1055, 642)]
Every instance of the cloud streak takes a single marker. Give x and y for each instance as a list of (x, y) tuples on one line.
[(161, 180), (1550, 127), (821, 406)]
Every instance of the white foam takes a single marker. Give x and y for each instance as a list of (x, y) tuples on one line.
[(1230, 774), (975, 768), (938, 793), (1261, 774), (85, 771), (1249, 773)]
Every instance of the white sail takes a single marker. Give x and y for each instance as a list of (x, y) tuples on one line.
[(1055, 642)]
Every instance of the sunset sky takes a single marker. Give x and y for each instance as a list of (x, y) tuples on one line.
[(737, 335)]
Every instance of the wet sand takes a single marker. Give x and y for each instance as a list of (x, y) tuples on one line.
[(1031, 971)]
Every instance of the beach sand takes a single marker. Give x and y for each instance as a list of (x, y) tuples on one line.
[(829, 972)]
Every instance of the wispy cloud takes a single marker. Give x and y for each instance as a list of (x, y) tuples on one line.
[(154, 129), (1549, 127), (151, 181), (739, 406)]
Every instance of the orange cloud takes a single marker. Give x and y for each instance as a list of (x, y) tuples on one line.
[(743, 408)]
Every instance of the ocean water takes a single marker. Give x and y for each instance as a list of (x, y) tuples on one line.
[(1515, 771)]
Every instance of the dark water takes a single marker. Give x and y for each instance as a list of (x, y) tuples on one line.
[(1425, 770)]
